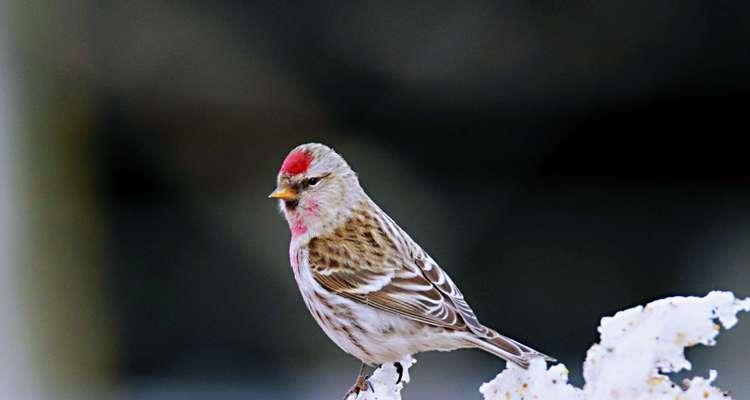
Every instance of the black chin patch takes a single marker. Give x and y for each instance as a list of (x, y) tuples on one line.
[(291, 204)]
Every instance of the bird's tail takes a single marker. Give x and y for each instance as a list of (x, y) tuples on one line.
[(508, 349)]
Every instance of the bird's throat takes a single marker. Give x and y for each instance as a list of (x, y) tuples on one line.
[(296, 222)]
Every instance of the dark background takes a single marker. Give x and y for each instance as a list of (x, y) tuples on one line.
[(562, 161)]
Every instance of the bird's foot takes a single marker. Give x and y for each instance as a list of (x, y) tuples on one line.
[(360, 385)]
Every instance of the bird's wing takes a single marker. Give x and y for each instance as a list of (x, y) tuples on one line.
[(445, 285), (371, 260), (490, 340)]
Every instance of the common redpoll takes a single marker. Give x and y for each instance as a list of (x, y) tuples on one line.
[(369, 286)]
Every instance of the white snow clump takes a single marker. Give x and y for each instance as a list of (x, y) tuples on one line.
[(383, 382), (637, 348)]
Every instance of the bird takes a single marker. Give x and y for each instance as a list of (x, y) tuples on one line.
[(370, 287)]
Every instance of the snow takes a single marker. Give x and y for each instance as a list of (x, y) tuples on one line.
[(383, 382), (637, 348), (537, 382)]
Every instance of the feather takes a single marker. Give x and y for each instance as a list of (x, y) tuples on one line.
[(361, 262)]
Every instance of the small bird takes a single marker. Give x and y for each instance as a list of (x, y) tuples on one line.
[(369, 286)]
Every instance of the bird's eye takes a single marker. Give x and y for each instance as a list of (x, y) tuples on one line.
[(312, 181)]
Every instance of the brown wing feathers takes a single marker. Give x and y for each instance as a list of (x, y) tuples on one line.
[(360, 261)]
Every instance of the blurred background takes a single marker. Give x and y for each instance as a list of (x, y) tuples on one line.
[(562, 161)]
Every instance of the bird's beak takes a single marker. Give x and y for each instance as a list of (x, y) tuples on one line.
[(283, 193)]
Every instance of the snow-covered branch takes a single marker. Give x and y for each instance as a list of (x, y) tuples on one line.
[(637, 348), (383, 382)]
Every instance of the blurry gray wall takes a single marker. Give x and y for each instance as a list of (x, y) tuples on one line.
[(19, 377)]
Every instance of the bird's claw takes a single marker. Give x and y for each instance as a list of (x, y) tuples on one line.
[(362, 384), (400, 370)]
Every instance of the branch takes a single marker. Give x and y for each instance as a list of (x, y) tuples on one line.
[(383, 382)]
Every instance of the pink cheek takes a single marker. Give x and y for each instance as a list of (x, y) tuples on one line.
[(313, 208)]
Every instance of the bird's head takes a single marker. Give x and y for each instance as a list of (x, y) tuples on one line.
[(316, 189)]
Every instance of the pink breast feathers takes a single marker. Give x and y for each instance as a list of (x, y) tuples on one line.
[(296, 162), (297, 225)]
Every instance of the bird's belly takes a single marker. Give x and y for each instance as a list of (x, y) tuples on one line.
[(375, 336)]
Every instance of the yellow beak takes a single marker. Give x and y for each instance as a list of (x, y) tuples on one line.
[(283, 194)]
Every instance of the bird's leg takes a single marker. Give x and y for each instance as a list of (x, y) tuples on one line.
[(400, 370), (361, 384)]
